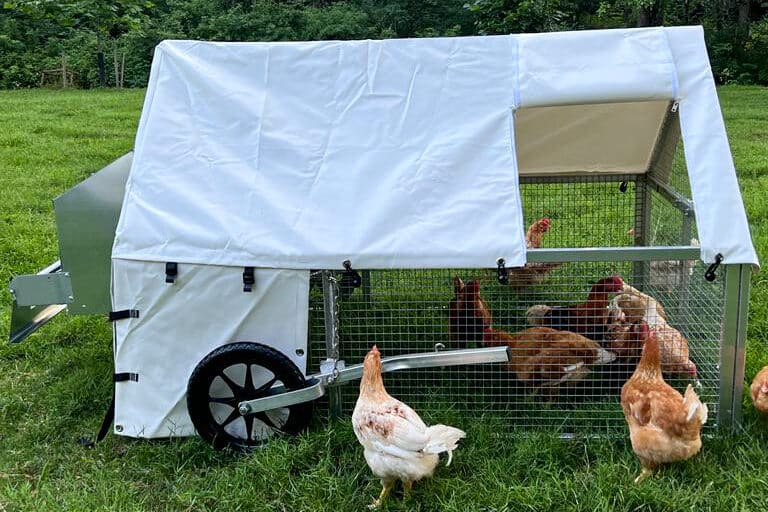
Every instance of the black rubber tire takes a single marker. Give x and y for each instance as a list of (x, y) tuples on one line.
[(214, 365)]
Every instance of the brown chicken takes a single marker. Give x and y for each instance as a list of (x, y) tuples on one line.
[(397, 444), (664, 426), (589, 319), (637, 307), (540, 355), (759, 390), (623, 339), (534, 272), (467, 317)]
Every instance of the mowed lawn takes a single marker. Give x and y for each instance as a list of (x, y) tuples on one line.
[(55, 386)]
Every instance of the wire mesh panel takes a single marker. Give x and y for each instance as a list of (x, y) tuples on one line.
[(585, 211), (565, 384)]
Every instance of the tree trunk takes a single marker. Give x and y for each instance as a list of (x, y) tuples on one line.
[(63, 70), (744, 17), (116, 60), (122, 70), (644, 17), (101, 64)]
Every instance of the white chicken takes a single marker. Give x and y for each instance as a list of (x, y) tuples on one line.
[(397, 444)]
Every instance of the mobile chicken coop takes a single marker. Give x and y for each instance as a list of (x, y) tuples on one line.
[(288, 205)]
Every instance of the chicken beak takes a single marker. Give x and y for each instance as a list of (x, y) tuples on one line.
[(605, 356), (764, 387)]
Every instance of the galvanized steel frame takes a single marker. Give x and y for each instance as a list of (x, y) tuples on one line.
[(733, 345)]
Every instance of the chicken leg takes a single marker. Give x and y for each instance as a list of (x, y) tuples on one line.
[(407, 486), (386, 487), (645, 472)]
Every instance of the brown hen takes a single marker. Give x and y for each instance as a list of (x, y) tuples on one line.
[(759, 390), (534, 272), (664, 426), (539, 355)]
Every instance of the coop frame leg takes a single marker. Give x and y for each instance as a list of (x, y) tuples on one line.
[(733, 345), (642, 228), (332, 340)]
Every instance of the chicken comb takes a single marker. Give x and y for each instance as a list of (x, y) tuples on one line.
[(642, 330)]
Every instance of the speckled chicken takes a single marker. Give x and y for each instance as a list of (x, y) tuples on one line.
[(759, 390), (637, 307), (397, 444), (664, 426)]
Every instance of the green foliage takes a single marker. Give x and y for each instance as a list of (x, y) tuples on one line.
[(34, 33)]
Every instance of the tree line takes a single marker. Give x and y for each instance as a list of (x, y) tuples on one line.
[(92, 43)]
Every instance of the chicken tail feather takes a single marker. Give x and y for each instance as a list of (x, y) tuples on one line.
[(442, 438), (694, 406)]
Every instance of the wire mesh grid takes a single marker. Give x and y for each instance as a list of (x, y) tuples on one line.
[(588, 211), (571, 384), (562, 384)]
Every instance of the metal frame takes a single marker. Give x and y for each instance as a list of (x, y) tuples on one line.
[(328, 381), (331, 365), (660, 162), (587, 254), (733, 345), (541, 179)]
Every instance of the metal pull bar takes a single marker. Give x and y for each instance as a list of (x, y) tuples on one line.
[(319, 383)]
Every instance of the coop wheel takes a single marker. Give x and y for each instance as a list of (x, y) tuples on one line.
[(237, 372)]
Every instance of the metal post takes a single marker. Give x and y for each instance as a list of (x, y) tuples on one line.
[(332, 343), (683, 267), (733, 344), (642, 228)]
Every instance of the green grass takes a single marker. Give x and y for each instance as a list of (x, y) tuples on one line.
[(54, 387)]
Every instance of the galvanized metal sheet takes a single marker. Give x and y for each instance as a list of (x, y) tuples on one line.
[(86, 217), (42, 289), (27, 319)]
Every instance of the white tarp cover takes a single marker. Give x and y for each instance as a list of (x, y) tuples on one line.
[(180, 323), (401, 153)]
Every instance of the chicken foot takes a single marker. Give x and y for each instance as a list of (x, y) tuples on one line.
[(646, 471), (386, 487)]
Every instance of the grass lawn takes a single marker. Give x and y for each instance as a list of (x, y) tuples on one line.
[(55, 386)]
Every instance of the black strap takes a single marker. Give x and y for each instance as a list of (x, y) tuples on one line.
[(123, 314), (109, 417), (171, 271), (126, 377), (249, 279)]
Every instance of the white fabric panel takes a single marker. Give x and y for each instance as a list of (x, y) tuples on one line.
[(181, 323), (720, 217), (595, 66), (395, 154), (587, 139), (399, 153)]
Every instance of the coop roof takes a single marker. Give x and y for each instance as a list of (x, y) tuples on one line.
[(407, 153)]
